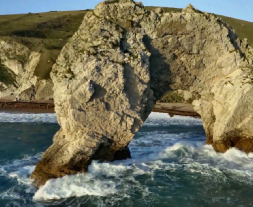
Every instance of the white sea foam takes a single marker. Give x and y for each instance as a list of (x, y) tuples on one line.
[(197, 157), (118, 178), (153, 119), (19, 171), (153, 152), (17, 118), (22, 174), (102, 179), (96, 183), (163, 119), (173, 152)]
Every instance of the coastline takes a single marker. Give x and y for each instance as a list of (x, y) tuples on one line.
[(181, 109), (8, 106), (35, 107)]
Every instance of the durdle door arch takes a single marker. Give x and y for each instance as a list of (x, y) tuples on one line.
[(122, 59)]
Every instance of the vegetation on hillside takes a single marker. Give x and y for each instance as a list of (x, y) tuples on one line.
[(6, 75), (48, 32), (171, 97)]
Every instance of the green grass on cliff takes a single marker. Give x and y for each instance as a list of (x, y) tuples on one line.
[(6, 76), (166, 9), (244, 29), (171, 97), (48, 32), (46, 27)]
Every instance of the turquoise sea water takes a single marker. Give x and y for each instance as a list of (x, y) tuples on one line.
[(170, 166)]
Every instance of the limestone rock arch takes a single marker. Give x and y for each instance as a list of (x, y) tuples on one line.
[(121, 61)]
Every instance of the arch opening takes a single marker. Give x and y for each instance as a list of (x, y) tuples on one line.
[(122, 60)]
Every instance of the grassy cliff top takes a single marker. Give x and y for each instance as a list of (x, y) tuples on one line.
[(48, 32)]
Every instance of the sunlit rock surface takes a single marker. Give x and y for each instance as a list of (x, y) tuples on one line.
[(17, 67), (122, 59)]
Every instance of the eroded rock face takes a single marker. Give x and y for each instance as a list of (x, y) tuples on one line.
[(38, 90), (122, 60), (17, 68), (14, 62)]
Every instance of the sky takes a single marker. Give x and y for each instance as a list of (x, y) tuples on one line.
[(239, 9)]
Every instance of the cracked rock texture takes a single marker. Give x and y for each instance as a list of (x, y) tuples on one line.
[(122, 60), (17, 79)]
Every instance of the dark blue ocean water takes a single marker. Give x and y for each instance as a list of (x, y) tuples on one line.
[(170, 166)]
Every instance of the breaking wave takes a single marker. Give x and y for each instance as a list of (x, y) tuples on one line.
[(167, 167), (120, 178), (154, 119), (23, 118), (163, 119)]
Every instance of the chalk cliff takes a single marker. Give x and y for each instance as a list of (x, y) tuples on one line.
[(17, 79), (122, 59)]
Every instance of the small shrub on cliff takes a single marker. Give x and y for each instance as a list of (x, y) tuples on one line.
[(112, 1), (171, 97), (6, 76)]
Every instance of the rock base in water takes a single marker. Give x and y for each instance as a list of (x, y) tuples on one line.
[(41, 175), (122, 60), (244, 144)]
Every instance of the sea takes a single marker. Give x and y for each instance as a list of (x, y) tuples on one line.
[(170, 166)]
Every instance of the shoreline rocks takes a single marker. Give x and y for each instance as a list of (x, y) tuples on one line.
[(122, 60)]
